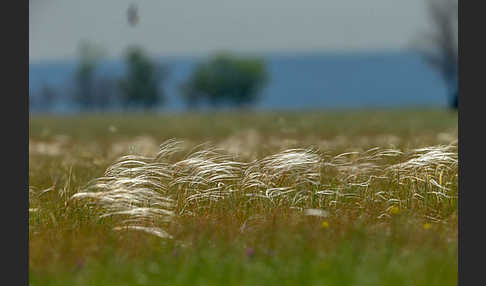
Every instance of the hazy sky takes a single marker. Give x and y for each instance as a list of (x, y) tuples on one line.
[(194, 27)]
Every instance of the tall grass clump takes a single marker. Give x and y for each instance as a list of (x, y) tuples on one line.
[(151, 193)]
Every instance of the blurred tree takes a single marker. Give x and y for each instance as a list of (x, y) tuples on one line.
[(90, 56), (439, 45), (47, 96), (140, 88), (105, 91), (225, 78)]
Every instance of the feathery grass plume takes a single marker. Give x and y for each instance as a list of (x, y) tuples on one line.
[(355, 166), (316, 212), (169, 148), (147, 193), (135, 188), (151, 230), (429, 166), (429, 159), (204, 176), (291, 172)]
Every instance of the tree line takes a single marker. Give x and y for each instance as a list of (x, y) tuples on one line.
[(223, 79)]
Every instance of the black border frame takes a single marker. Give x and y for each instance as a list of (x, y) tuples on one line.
[(15, 209), (470, 162)]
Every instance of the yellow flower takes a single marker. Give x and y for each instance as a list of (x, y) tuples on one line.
[(325, 224), (394, 210), (427, 226)]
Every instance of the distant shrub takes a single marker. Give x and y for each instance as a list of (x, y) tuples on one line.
[(226, 79)]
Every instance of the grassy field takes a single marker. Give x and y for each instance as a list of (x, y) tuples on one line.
[(289, 198)]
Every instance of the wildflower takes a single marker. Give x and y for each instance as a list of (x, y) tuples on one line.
[(250, 252), (79, 264), (440, 177), (394, 210), (325, 224)]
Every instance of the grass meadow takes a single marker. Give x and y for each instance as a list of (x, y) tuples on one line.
[(282, 198)]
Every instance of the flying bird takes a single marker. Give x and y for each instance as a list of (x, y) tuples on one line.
[(132, 15)]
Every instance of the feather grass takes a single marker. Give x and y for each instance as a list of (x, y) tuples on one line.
[(148, 193)]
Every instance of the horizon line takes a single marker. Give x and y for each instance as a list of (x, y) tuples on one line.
[(262, 53)]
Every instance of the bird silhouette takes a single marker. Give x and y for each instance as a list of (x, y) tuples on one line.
[(132, 15)]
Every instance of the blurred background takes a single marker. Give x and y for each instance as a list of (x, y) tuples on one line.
[(172, 56)]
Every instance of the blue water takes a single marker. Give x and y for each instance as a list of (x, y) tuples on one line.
[(365, 80)]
